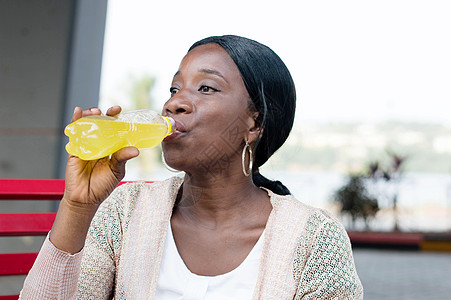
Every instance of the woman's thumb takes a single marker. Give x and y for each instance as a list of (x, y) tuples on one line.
[(119, 158)]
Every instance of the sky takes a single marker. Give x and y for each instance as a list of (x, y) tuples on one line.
[(351, 61)]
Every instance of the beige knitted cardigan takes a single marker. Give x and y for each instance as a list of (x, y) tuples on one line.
[(306, 253)]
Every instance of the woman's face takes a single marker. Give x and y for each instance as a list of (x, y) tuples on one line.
[(210, 105)]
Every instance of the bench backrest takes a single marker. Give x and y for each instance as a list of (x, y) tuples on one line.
[(25, 224)]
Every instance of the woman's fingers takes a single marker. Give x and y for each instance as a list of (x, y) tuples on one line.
[(77, 114), (114, 110), (92, 112)]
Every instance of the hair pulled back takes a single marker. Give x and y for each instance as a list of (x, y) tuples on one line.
[(272, 91)]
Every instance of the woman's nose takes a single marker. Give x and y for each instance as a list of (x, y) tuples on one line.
[(178, 104)]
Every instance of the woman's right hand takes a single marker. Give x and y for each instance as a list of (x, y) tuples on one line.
[(87, 185)]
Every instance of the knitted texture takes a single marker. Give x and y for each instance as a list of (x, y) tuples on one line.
[(306, 253), (54, 274)]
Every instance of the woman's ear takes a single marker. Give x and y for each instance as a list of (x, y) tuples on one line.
[(255, 130)]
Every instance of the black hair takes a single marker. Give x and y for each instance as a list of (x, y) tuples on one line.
[(272, 91)]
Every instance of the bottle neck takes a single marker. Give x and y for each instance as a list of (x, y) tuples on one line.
[(170, 124)]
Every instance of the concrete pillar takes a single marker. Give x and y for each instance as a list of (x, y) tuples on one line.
[(50, 61)]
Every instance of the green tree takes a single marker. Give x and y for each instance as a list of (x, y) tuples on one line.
[(139, 89), (356, 201), (392, 174)]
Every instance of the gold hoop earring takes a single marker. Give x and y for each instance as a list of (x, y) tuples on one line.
[(243, 159), (166, 165)]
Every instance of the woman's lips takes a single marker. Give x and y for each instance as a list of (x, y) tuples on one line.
[(178, 131), (179, 126)]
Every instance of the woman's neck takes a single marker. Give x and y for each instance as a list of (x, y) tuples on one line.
[(218, 202)]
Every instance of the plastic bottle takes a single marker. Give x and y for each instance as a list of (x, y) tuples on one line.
[(94, 137)]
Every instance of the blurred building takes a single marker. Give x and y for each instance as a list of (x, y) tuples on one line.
[(50, 61)]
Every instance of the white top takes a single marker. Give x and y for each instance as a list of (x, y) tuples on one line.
[(176, 281)]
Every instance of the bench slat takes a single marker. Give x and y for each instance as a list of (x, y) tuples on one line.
[(31, 189), (34, 189), (26, 224), (16, 263), (9, 297)]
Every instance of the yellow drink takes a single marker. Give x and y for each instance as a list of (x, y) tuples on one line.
[(95, 137)]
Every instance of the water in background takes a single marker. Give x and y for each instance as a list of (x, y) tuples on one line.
[(424, 201)]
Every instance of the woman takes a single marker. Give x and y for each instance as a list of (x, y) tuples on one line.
[(221, 232)]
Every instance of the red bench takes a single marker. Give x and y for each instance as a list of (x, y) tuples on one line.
[(25, 224)]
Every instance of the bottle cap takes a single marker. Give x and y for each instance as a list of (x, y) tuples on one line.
[(171, 125)]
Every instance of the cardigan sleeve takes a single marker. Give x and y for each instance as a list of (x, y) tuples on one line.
[(328, 271), (54, 274), (89, 274)]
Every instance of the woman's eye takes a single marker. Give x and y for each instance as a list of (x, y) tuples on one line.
[(173, 90), (207, 89)]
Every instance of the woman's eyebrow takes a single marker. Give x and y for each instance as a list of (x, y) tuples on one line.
[(213, 72), (207, 71)]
